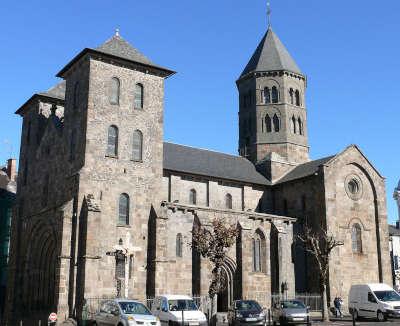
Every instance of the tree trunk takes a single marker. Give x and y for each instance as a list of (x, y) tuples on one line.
[(325, 312)]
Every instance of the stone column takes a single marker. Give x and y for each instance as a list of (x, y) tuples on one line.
[(286, 266)]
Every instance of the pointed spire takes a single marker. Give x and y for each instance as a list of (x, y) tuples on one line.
[(271, 55), (268, 15), (117, 32)]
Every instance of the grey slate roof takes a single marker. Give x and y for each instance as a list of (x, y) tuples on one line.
[(304, 170), (271, 55), (57, 91), (393, 230), (118, 47), (208, 163)]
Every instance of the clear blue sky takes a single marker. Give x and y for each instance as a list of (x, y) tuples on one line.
[(349, 51)]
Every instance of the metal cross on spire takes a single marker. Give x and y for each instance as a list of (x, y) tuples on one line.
[(117, 31), (268, 14)]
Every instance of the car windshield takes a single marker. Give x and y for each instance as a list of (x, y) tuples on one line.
[(387, 296), (292, 305), (133, 308), (181, 304), (247, 305)]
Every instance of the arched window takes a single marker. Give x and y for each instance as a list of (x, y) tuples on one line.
[(275, 95), (267, 95), (123, 210), (259, 252), (356, 239), (137, 145), (228, 201), (76, 95), (115, 90), (291, 95), (268, 123), (275, 121), (297, 97), (179, 245), (112, 141), (138, 96), (300, 123), (192, 197), (293, 124)]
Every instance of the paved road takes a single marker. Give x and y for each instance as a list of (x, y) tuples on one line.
[(359, 323)]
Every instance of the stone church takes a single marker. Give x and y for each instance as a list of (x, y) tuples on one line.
[(105, 207)]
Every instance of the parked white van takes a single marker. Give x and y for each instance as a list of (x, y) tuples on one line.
[(171, 308), (374, 301)]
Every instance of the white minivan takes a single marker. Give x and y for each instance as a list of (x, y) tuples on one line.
[(377, 301), (170, 309)]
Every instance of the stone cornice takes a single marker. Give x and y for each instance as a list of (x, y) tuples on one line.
[(249, 214)]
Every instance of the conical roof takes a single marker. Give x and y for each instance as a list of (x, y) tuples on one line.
[(271, 55), (118, 47)]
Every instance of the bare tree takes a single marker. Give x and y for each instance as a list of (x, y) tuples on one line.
[(213, 243), (320, 245)]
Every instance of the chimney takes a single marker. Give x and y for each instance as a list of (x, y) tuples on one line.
[(12, 169)]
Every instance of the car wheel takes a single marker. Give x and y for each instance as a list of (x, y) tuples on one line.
[(381, 316), (355, 314)]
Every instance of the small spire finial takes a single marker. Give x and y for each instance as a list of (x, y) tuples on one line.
[(268, 14), (117, 31)]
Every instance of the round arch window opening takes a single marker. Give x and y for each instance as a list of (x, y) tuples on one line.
[(353, 186)]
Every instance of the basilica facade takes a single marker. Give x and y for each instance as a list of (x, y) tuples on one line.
[(105, 207)]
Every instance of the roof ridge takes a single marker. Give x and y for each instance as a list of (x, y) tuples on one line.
[(205, 149)]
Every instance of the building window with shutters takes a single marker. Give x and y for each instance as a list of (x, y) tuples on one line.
[(179, 245), (115, 91), (112, 141), (138, 96), (123, 210), (137, 146)]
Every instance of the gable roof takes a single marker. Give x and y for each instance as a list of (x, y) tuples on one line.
[(203, 162), (271, 55), (304, 170)]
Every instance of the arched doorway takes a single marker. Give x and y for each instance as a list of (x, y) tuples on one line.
[(226, 297)]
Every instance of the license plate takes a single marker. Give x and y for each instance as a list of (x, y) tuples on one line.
[(193, 324), (297, 319), (251, 319)]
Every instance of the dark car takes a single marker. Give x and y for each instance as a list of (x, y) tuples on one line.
[(290, 312), (246, 312)]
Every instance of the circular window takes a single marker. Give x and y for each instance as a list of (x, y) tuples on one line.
[(353, 187)]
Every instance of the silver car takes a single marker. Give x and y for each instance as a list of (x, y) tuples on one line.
[(124, 312), (290, 312)]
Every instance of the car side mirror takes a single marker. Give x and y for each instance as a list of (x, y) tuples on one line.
[(163, 309)]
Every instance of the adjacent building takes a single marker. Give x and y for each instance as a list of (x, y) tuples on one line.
[(106, 208), (8, 188), (394, 241)]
